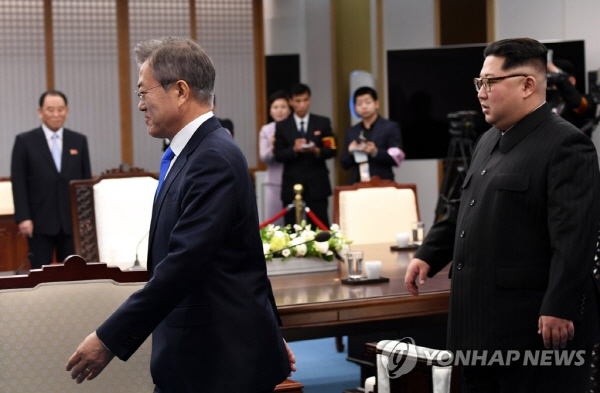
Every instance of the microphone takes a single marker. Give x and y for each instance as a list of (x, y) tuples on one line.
[(136, 264), (29, 258), (322, 236)]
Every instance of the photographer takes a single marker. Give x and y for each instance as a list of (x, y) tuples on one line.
[(569, 103)]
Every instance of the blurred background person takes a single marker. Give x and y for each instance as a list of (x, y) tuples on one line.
[(566, 101), (44, 161), (279, 109), (373, 146)]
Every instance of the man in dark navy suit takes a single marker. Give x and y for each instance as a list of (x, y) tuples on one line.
[(208, 304), (44, 161), (303, 142), (523, 236), (373, 146)]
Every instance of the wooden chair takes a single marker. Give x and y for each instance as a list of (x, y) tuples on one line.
[(13, 246), (111, 216), (45, 316), (374, 211)]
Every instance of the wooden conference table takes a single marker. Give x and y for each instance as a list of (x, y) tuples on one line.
[(313, 305)]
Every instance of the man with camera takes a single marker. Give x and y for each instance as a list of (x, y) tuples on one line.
[(578, 109)]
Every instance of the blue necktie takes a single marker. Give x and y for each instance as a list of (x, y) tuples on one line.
[(56, 151), (164, 167), (302, 132)]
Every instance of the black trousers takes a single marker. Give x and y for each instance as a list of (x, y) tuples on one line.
[(317, 206), (518, 378), (42, 247)]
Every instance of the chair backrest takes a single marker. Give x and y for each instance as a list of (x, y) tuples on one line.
[(374, 211), (47, 314), (404, 367), (111, 217), (6, 198)]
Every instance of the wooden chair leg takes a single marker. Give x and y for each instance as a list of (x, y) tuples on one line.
[(339, 343)]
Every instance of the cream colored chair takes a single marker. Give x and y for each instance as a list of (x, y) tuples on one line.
[(374, 211), (6, 198), (111, 217), (42, 326)]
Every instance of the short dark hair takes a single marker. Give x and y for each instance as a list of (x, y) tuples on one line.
[(279, 94), (52, 93), (519, 52), (299, 89), (175, 58), (361, 91)]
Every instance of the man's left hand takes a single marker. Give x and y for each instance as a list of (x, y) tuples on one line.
[(555, 331), (89, 360), (370, 148), (291, 358)]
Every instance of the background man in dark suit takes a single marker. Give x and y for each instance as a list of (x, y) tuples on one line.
[(44, 161), (523, 240), (208, 303), (376, 141), (303, 142)]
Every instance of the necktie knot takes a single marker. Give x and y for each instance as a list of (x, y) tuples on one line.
[(168, 155)]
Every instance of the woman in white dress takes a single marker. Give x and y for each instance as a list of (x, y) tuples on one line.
[(279, 109)]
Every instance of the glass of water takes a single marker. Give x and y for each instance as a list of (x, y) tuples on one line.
[(354, 261), (418, 232)]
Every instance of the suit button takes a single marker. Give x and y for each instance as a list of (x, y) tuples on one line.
[(472, 203), (483, 172), (459, 266), (462, 233)]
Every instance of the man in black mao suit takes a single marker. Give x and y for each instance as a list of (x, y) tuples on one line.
[(377, 140), (41, 184), (522, 241), (208, 303), (303, 142)]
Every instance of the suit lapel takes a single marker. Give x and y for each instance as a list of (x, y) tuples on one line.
[(209, 125), (41, 145)]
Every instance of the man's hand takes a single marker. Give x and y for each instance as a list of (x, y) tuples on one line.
[(555, 331), (416, 268), (26, 228), (353, 146), (370, 148), (298, 145), (291, 357), (89, 360)]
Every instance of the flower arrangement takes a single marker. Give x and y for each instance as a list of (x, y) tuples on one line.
[(276, 238)]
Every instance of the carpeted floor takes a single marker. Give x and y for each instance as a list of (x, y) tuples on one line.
[(321, 369)]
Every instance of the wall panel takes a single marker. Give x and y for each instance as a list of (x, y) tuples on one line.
[(22, 70), (152, 19), (225, 32), (85, 55)]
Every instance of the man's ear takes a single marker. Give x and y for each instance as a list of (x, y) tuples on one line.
[(529, 86), (183, 91)]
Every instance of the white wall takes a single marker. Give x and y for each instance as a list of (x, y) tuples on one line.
[(553, 20)]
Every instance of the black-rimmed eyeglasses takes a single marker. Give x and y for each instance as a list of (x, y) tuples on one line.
[(486, 83)]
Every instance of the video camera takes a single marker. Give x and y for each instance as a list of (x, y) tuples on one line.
[(462, 124)]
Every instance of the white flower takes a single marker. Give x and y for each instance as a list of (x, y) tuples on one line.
[(266, 248), (301, 250), (279, 234), (329, 253), (296, 241), (323, 247), (308, 235), (297, 228), (286, 253), (335, 227)]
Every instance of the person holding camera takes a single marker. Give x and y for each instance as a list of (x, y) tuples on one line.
[(373, 146), (576, 108)]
